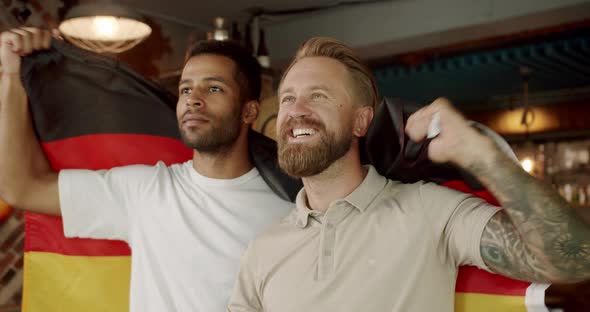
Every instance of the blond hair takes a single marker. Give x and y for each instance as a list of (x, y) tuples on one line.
[(363, 79)]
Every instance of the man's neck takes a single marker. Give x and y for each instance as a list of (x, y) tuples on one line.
[(227, 164), (336, 182)]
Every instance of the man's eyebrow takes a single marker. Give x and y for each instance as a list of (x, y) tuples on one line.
[(213, 78), (216, 78), (183, 81), (312, 88), (290, 89), (320, 87)]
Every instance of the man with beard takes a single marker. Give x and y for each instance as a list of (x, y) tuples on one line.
[(360, 242), (187, 224)]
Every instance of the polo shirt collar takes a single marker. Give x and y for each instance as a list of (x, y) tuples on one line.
[(360, 198), (366, 192)]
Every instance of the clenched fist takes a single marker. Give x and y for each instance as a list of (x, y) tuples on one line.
[(19, 42), (457, 142)]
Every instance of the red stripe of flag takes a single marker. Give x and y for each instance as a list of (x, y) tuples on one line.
[(104, 151), (463, 187), (45, 233), (474, 280)]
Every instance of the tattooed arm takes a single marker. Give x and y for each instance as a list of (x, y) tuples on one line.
[(537, 236)]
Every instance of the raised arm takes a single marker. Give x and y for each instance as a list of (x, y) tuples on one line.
[(537, 236), (26, 179)]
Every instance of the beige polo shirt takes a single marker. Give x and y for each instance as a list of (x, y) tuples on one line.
[(387, 246)]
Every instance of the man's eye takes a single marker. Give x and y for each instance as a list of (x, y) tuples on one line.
[(215, 89), (288, 99), (317, 96), (185, 91)]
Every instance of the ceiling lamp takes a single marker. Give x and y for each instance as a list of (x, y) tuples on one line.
[(104, 27)]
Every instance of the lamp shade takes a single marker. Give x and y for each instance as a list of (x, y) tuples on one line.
[(104, 28)]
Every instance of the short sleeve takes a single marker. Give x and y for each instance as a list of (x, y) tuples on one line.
[(458, 220), (99, 204), (245, 296)]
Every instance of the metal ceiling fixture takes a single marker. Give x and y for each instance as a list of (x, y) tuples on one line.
[(104, 27)]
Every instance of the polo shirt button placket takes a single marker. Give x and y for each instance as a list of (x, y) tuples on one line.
[(327, 251)]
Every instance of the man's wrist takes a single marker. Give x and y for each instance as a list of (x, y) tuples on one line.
[(480, 151)]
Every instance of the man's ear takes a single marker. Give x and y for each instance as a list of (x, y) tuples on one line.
[(250, 111), (362, 120)]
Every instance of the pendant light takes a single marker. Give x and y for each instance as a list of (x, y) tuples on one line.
[(104, 27)]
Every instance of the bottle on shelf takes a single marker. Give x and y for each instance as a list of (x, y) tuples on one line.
[(568, 192), (582, 196)]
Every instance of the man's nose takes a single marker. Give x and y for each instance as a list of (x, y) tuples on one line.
[(299, 109), (194, 99)]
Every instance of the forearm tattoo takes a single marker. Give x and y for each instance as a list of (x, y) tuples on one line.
[(537, 236)]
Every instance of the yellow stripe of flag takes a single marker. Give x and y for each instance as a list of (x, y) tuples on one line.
[(54, 282), (472, 302)]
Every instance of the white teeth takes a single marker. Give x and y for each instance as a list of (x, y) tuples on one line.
[(301, 132)]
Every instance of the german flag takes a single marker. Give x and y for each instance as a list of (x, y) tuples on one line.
[(89, 112)]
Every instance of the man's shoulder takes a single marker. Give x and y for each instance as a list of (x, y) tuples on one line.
[(146, 169), (143, 173), (418, 194), (182, 167), (417, 188), (399, 189)]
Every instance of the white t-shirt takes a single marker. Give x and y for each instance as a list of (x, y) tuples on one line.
[(187, 232)]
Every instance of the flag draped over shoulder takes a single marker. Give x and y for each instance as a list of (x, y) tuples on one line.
[(89, 112)]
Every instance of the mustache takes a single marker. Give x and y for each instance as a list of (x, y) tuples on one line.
[(196, 113)]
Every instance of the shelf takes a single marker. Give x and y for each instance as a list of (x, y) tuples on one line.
[(574, 171)]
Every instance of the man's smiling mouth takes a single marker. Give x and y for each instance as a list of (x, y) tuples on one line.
[(302, 132)]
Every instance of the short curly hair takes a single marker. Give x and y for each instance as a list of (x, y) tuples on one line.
[(248, 70)]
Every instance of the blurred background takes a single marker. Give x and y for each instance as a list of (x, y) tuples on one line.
[(520, 67)]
